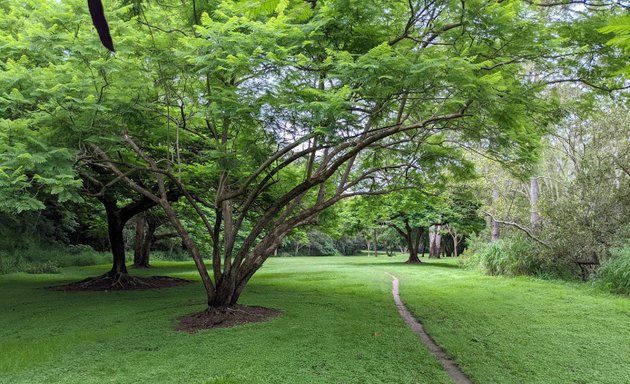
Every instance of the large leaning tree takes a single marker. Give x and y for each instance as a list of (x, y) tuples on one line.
[(265, 113)]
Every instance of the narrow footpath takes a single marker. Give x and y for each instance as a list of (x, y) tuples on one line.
[(449, 365)]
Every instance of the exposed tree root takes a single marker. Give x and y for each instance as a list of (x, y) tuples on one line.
[(120, 282), (224, 317)]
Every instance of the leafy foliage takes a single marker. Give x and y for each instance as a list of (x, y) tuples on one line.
[(511, 257), (614, 273)]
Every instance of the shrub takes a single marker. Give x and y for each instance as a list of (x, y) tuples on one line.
[(321, 244), (49, 259), (175, 255), (614, 273), (511, 257), (40, 268), (349, 246)]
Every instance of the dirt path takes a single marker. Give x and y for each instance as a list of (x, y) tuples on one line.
[(449, 365)]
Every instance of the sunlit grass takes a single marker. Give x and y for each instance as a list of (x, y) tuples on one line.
[(339, 326)]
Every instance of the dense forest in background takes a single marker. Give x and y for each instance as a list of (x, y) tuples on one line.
[(235, 131)]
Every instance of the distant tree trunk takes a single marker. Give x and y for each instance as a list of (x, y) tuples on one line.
[(117, 217), (416, 243), (533, 202), (413, 238), (143, 252), (375, 233), (495, 230), (456, 239), (448, 246), (138, 242), (435, 242)]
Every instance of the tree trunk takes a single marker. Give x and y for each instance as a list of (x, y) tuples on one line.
[(375, 232), (149, 239), (533, 202), (435, 242), (413, 256), (413, 243), (138, 243), (495, 230), (115, 225)]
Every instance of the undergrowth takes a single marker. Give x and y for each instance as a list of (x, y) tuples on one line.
[(614, 273), (514, 256), (37, 259), (511, 257)]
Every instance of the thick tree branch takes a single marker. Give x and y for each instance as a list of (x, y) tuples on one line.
[(526, 230)]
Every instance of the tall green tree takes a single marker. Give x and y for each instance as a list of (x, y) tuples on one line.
[(266, 114)]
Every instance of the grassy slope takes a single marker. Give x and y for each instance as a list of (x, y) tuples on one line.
[(340, 325)]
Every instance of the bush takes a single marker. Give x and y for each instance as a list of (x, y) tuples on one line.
[(321, 244), (614, 273), (50, 259), (40, 268), (511, 257), (349, 246), (176, 255)]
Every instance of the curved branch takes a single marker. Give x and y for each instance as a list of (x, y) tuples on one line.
[(526, 230)]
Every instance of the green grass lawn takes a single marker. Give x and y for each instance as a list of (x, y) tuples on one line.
[(339, 326)]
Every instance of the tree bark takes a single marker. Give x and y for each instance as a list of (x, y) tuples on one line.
[(142, 252), (413, 243), (115, 225), (138, 243), (413, 256)]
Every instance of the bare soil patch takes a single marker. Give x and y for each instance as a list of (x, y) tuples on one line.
[(121, 283), (224, 318)]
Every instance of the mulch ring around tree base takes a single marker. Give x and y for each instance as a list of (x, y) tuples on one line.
[(121, 283), (224, 318)]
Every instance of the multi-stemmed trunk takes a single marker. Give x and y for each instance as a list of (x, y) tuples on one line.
[(232, 267)]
